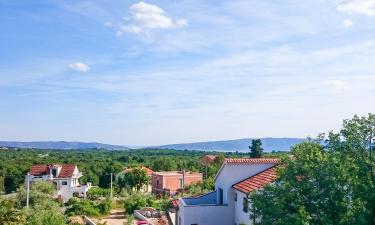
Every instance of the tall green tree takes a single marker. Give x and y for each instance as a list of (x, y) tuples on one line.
[(256, 149), (325, 184)]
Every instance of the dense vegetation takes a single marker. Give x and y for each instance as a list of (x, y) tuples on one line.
[(331, 183), (43, 209), (97, 165)]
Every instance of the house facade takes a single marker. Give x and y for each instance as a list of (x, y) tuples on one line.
[(228, 204), (64, 176), (171, 182)]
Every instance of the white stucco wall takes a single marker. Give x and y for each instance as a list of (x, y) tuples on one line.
[(205, 215), (239, 215), (234, 173)]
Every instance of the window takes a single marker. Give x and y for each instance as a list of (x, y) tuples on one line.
[(221, 196), (235, 197), (245, 205), (157, 183), (64, 183), (181, 183), (54, 172)]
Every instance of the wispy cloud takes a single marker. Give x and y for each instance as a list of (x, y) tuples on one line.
[(362, 7)]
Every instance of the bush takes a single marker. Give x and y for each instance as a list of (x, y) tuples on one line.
[(138, 201), (105, 206), (81, 207), (97, 192), (135, 201)]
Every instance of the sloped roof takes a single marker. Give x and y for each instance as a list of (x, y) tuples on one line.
[(257, 181), (66, 171), (39, 169), (148, 171), (207, 159), (248, 161), (251, 160)]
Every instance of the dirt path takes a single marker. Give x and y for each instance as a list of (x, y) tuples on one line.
[(116, 217)]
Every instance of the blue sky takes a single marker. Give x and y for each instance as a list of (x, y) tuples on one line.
[(158, 72)]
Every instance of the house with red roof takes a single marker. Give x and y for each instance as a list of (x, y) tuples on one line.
[(64, 176), (229, 202)]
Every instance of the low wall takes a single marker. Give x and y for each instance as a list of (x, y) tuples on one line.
[(139, 216), (88, 221)]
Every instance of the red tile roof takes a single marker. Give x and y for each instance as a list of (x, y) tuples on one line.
[(39, 169), (148, 171), (251, 160), (208, 159), (257, 181), (66, 171)]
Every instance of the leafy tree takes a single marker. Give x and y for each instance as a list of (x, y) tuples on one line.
[(135, 178), (9, 215), (329, 184), (97, 192), (256, 149)]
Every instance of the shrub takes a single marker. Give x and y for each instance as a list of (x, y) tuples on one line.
[(97, 192), (81, 207), (105, 206)]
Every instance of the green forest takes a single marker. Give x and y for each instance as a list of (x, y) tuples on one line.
[(97, 165), (327, 180)]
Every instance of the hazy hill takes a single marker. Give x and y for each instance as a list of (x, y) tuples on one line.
[(269, 144), (61, 145)]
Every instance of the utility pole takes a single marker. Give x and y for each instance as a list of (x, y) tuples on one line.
[(27, 190), (111, 185)]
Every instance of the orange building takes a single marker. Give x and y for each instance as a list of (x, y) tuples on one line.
[(171, 182)]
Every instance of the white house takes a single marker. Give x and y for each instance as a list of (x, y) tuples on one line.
[(228, 204), (64, 176)]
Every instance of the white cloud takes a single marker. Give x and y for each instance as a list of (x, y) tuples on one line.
[(79, 67), (364, 7), (146, 17), (348, 23)]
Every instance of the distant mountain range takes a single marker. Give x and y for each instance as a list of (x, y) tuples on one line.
[(269, 144), (64, 145)]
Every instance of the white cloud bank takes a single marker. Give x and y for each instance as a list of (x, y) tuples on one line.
[(363, 7), (145, 17), (79, 67)]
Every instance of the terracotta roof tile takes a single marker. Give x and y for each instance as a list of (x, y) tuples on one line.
[(148, 171), (251, 160), (39, 169), (257, 181), (67, 170)]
